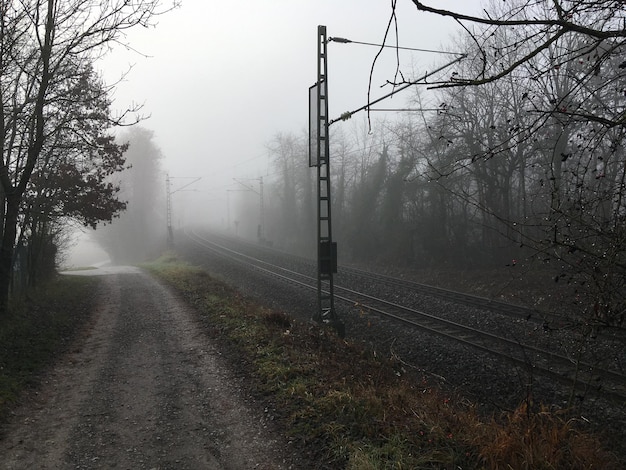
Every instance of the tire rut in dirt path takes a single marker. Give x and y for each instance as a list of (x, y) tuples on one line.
[(147, 390)]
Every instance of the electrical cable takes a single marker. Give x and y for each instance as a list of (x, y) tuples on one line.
[(349, 41)]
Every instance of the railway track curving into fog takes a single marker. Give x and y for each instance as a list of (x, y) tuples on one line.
[(349, 275), (352, 288)]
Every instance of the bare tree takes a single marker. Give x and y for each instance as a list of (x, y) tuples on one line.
[(70, 183), (42, 44), (560, 65), (139, 232), (291, 215), (589, 33)]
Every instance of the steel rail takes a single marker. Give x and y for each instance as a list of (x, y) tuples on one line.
[(542, 318), (582, 376)]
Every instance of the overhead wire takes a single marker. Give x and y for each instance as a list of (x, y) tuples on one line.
[(416, 49)]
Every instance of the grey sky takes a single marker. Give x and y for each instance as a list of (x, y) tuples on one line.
[(222, 78)]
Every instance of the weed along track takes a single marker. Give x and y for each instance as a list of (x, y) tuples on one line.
[(180, 370), (512, 332), (497, 357)]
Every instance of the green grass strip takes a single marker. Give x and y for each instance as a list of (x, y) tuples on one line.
[(36, 330), (356, 409)]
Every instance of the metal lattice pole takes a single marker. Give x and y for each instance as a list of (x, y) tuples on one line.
[(326, 248)]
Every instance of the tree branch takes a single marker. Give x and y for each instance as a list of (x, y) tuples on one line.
[(559, 23)]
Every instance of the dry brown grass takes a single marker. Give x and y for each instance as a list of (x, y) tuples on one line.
[(540, 439), (351, 409)]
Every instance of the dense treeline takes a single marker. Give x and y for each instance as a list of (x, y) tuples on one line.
[(524, 161), (58, 153), (138, 234)]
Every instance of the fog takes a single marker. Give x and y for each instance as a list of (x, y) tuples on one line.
[(218, 81), (84, 252), (454, 177)]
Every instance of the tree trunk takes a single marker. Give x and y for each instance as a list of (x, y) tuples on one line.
[(13, 194), (7, 249)]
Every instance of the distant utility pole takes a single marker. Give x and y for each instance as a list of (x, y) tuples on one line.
[(236, 222), (169, 192), (242, 182), (319, 157)]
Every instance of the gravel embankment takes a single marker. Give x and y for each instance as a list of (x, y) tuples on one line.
[(489, 382)]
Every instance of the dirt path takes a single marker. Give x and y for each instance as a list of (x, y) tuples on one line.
[(145, 390)]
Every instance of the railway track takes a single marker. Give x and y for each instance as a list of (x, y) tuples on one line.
[(562, 368), (348, 273)]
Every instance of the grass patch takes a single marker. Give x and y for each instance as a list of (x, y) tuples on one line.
[(357, 411), (36, 330)]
